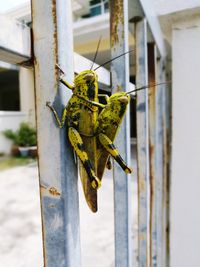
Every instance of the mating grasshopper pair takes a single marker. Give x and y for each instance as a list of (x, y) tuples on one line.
[(92, 128)]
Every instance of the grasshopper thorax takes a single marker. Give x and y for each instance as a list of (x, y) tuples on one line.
[(86, 85), (117, 106)]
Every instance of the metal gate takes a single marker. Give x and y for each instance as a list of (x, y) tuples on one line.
[(52, 40)]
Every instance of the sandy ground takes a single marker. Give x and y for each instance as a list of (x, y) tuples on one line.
[(20, 225)]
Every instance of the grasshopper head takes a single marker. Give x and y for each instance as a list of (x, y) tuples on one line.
[(86, 84), (84, 77), (120, 98)]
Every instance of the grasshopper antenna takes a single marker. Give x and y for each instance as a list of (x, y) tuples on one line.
[(114, 59), (97, 49), (147, 86)]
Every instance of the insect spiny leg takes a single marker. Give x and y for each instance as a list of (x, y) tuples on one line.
[(77, 143), (112, 150)]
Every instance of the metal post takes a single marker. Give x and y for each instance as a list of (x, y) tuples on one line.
[(159, 165), (120, 81), (166, 117), (152, 152), (142, 142), (52, 37)]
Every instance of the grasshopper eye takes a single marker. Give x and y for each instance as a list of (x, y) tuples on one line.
[(89, 76), (123, 99)]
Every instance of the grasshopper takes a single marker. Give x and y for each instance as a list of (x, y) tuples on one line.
[(83, 106), (106, 129), (81, 116)]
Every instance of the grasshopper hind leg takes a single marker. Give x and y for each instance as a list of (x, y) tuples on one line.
[(77, 143), (112, 150)]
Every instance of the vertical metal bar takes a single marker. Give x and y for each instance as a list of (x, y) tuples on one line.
[(120, 81), (152, 152), (159, 164), (52, 37), (166, 116), (142, 142)]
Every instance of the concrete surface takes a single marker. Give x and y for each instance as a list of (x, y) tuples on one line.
[(20, 224)]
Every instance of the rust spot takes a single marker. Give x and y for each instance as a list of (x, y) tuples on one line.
[(151, 150), (27, 63), (55, 37), (116, 18), (53, 191)]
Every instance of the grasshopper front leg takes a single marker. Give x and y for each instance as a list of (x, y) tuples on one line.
[(62, 74), (112, 150), (61, 122)]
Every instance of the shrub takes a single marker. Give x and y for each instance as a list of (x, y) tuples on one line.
[(24, 136)]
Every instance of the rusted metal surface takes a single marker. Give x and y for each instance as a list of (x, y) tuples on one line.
[(142, 142), (166, 117), (53, 43), (120, 81), (152, 153)]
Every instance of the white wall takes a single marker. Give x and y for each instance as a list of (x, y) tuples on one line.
[(9, 120), (170, 6), (185, 172), (27, 97)]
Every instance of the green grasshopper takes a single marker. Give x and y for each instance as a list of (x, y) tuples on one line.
[(106, 129), (76, 112)]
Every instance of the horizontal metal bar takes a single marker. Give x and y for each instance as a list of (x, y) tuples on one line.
[(15, 41), (8, 66), (81, 63)]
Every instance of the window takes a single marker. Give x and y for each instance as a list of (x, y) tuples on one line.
[(9, 90), (97, 7)]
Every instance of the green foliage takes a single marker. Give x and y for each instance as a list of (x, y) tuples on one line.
[(24, 136), (10, 135)]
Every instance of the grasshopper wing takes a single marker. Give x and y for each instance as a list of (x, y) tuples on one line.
[(109, 121), (86, 126)]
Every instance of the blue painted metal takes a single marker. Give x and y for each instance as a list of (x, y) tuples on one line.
[(52, 31), (159, 164), (142, 143), (120, 82), (166, 117)]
